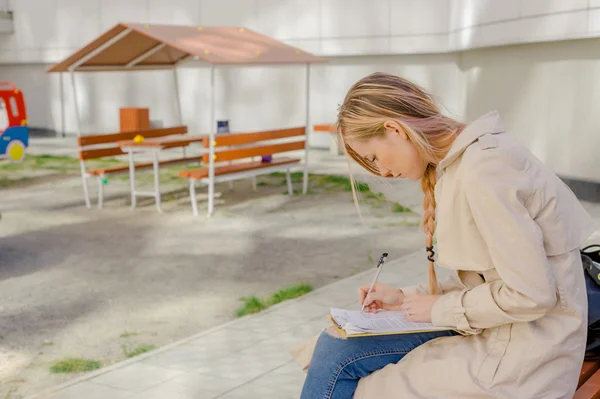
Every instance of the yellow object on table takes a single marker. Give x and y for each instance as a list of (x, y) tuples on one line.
[(138, 139)]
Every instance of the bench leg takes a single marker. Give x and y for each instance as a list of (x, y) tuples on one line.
[(288, 177), (211, 197), (193, 197), (132, 179), (86, 193), (254, 187), (100, 192), (305, 179), (156, 182)]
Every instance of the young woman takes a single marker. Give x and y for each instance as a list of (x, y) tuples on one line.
[(509, 228)]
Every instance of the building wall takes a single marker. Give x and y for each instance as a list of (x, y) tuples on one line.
[(48, 30), (548, 95)]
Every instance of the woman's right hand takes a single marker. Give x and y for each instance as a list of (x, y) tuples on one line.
[(382, 296)]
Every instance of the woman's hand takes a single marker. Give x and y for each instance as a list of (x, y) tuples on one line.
[(382, 296), (417, 308)]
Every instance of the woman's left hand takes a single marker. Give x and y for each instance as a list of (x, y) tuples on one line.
[(417, 308)]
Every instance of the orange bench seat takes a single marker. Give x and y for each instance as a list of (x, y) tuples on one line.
[(235, 168), (589, 381), (145, 165)]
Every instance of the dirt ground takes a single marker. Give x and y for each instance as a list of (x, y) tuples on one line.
[(81, 283)]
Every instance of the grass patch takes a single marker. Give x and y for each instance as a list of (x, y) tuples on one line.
[(399, 208), (136, 351), (404, 223), (253, 304), (74, 365), (376, 196), (128, 334), (291, 292), (344, 183), (5, 182), (47, 343), (250, 305)]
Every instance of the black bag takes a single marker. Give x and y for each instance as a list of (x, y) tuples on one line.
[(590, 257)]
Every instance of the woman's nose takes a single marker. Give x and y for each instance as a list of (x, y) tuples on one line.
[(383, 171)]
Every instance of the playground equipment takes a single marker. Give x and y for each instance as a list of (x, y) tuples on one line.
[(14, 133)]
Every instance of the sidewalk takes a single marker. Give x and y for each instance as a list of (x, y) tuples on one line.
[(245, 358)]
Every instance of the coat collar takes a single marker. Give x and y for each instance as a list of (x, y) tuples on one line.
[(489, 123)]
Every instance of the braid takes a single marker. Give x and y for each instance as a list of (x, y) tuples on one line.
[(428, 185)]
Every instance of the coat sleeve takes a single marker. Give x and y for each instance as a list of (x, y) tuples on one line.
[(452, 283), (497, 190)]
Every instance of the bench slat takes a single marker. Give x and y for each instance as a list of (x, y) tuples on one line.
[(590, 389), (263, 150), (587, 370), (231, 139), (100, 153), (117, 169), (113, 138), (229, 169), (324, 128)]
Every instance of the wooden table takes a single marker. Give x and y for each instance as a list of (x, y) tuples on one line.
[(153, 146)]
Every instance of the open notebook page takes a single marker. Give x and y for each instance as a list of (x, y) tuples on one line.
[(355, 321)]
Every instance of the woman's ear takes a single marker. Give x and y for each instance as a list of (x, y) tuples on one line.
[(393, 127)]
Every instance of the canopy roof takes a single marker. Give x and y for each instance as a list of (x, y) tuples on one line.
[(146, 46)]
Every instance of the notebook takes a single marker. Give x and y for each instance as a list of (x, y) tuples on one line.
[(354, 323)]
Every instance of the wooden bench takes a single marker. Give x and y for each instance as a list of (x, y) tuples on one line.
[(589, 381), (104, 145), (246, 146)]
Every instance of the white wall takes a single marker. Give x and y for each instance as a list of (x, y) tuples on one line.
[(48, 30), (548, 96)]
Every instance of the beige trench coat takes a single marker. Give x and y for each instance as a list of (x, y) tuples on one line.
[(511, 229)]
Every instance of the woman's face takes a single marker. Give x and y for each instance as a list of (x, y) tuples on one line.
[(393, 153)]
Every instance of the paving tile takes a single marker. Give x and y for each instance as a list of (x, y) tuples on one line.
[(300, 312), (230, 339), (250, 363), (191, 385), (288, 379), (136, 377), (89, 390), (253, 391), (188, 357), (265, 326)]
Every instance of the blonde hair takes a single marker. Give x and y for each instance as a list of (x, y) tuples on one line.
[(381, 97)]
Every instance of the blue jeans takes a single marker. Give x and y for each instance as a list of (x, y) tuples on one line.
[(338, 364)]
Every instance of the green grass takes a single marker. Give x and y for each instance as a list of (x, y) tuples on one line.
[(404, 223), (344, 183), (48, 343), (370, 256), (138, 350), (128, 334), (52, 163), (253, 304), (5, 182), (250, 305), (376, 196), (399, 208), (74, 365), (291, 292)]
